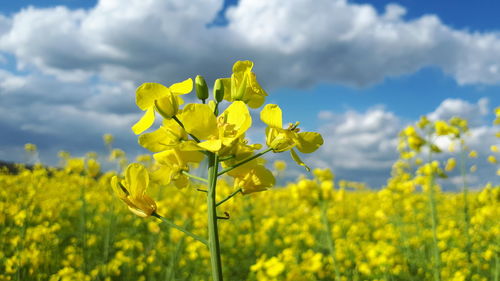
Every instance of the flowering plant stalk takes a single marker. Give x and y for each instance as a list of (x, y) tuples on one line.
[(196, 132)]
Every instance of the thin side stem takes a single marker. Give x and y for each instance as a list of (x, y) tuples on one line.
[(226, 158), (229, 197), (213, 232), (180, 228), (244, 161), (194, 177)]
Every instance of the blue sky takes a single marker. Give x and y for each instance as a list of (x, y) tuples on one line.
[(68, 74)]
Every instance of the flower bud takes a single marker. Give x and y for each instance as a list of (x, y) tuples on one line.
[(218, 90), (201, 88), (167, 106)]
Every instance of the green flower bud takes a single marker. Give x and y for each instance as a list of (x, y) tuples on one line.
[(201, 88), (167, 106), (218, 90)]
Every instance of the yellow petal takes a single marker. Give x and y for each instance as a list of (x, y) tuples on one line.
[(137, 178), (145, 122), (254, 84), (119, 190), (226, 83), (157, 141), (238, 115), (256, 101), (242, 66), (189, 145), (191, 156), (308, 142), (166, 157), (147, 93), (260, 179), (162, 175), (167, 106), (271, 115), (183, 87), (211, 145), (143, 206), (199, 120), (181, 182), (299, 161)]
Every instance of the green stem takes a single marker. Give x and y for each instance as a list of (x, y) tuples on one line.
[(216, 109), (229, 197), (226, 158), (244, 161), (182, 125), (194, 177), (465, 191), (180, 228), (330, 241), (213, 232)]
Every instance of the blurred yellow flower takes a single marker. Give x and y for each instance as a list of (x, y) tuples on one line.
[(279, 165), (492, 159)]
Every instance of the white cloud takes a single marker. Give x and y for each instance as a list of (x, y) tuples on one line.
[(359, 143), (342, 42), (362, 145), (474, 113)]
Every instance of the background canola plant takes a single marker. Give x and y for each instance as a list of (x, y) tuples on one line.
[(69, 224)]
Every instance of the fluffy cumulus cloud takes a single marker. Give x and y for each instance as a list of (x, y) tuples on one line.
[(343, 42), (363, 145)]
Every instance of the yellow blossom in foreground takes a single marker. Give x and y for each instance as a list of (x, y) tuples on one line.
[(280, 139), (243, 85), (155, 96), (132, 190), (253, 179), (219, 132)]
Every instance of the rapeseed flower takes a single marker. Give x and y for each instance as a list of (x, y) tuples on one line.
[(132, 190), (216, 133), (243, 85), (280, 139), (151, 97)]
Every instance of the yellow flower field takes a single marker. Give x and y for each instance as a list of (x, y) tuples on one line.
[(65, 224)]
